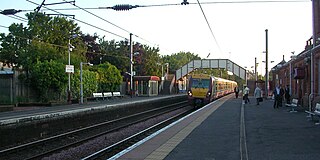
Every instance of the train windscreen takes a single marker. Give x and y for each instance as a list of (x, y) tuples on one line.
[(200, 83)]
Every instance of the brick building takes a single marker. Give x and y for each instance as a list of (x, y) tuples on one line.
[(297, 72)]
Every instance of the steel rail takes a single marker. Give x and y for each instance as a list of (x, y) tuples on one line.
[(89, 128)]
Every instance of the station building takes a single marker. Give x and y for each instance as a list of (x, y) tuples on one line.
[(301, 72)]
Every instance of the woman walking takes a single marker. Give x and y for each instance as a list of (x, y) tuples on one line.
[(257, 94)]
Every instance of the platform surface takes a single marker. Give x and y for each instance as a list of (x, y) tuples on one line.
[(213, 133)]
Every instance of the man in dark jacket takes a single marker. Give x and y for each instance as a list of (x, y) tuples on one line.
[(278, 96)]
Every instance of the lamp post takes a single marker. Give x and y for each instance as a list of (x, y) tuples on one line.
[(255, 68), (69, 75), (166, 64), (70, 47), (247, 74), (267, 77), (81, 85), (131, 66)]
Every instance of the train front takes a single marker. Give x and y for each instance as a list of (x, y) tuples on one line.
[(199, 91)]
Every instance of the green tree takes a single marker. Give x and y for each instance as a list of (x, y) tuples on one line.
[(177, 60), (150, 61), (48, 77), (14, 45), (109, 77), (89, 81), (44, 40), (116, 53)]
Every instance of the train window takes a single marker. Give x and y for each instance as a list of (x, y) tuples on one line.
[(200, 83)]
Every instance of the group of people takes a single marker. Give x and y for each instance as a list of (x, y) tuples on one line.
[(246, 90), (278, 94)]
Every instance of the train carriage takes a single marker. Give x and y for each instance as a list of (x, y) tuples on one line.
[(204, 88)]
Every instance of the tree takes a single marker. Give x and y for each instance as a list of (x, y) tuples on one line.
[(109, 77), (178, 60), (116, 53), (48, 77), (43, 42), (14, 45), (89, 81), (149, 61)]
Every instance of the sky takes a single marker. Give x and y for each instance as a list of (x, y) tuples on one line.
[(238, 27)]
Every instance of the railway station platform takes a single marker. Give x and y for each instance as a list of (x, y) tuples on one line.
[(227, 129), (36, 113)]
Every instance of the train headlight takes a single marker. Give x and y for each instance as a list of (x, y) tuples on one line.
[(208, 94), (190, 93)]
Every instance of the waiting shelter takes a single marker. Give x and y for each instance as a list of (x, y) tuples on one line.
[(146, 85)]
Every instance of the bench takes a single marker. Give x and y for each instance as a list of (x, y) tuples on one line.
[(97, 95), (117, 94), (107, 95), (316, 112), (293, 105)]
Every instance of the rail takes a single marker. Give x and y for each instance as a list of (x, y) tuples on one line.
[(119, 123)]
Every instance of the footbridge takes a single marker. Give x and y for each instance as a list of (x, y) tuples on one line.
[(213, 64)]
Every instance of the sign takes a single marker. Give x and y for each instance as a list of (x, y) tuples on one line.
[(69, 69)]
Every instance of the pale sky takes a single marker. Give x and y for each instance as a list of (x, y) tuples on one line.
[(239, 28)]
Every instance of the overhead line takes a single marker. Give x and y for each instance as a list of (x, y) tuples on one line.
[(80, 21), (16, 17), (209, 26), (98, 17), (109, 22), (3, 26), (178, 4)]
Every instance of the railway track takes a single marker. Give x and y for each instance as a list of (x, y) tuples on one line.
[(113, 149), (55, 144)]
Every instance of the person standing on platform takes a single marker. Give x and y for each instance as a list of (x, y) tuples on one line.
[(287, 94), (281, 95), (246, 94), (257, 94), (236, 91), (277, 97)]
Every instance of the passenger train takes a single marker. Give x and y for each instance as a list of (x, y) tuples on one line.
[(204, 88)]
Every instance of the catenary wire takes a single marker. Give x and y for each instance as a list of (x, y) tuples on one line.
[(109, 22), (16, 17), (214, 37), (178, 4), (81, 21), (3, 26), (98, 16)]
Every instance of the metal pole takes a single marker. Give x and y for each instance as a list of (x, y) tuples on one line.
[(255, 68), (81, 85), (290, 77), (162, 71), (131, 66), (267, 74), (69, 75), (311, 57), (246, 78)]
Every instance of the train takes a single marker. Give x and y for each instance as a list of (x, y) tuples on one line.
[(204, 88)]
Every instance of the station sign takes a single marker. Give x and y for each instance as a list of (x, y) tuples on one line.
[(69, 69)]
